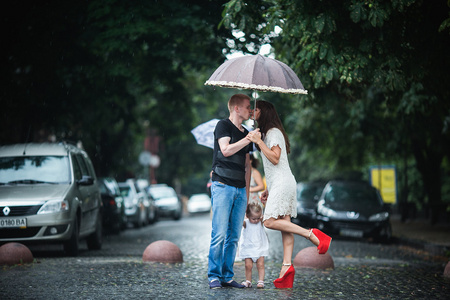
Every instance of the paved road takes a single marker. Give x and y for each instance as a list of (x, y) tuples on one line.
[(363, 270)]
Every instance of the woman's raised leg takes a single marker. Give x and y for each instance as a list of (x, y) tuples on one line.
[(284, 224)]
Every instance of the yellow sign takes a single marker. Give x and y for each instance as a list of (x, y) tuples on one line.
[(383, 178)]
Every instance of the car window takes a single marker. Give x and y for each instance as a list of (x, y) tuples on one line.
[(82, 164), (90, 167), (164, 192), (124, 190), (199, 198), (103, 188), (352, 194), (34, 169), (308, 192), (111, 187), (116, 190), (76, 168)]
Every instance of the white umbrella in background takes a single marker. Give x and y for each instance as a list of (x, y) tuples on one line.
[(204, 133)]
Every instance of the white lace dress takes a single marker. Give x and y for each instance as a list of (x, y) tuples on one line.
[(281, 184)]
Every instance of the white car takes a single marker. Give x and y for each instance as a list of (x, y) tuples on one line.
[(199, 203), (134, 203), (167, 200)]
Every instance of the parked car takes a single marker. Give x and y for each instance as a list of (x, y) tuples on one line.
[(308, 194), (152, 209), (199, 203), (114, 217), (49, 193), (353, 209), (134, 203), (167, 200)]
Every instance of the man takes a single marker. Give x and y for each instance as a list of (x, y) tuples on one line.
[(231, 172)]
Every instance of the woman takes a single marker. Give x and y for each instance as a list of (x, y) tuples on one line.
[(272, 141), (256, 181)]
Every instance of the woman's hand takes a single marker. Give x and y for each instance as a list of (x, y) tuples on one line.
[(264, 196), (254, 136)]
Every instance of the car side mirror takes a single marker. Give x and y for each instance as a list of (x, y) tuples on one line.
[(86, 180)]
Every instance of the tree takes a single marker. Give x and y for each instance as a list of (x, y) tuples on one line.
[(384, 61), (97, 71)]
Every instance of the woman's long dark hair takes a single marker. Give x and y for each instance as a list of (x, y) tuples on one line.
[(268, 118)]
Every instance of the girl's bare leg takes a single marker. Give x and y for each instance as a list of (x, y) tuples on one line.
[(261, 270), (248, 269)]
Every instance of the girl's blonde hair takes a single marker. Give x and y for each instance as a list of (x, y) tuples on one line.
[(253, 208)]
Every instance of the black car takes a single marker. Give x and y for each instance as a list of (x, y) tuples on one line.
[(308, 194), (114, 218), (353, 209)]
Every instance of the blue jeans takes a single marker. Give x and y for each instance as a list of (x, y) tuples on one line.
[(228, 207)]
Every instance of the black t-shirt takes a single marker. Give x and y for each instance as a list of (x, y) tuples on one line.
[(229, 170)]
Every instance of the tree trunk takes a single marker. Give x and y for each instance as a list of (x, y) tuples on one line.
[(429, 161)]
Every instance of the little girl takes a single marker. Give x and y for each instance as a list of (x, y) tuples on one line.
[(254, 244)]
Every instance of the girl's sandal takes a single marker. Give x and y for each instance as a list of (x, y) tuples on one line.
[(260, 284), (247, 283)]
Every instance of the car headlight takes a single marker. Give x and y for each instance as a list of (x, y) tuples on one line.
[(328, 212), (379, 217), (54, 206)]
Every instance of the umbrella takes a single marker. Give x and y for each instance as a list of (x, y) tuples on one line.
[(204, 133), (259, 73)]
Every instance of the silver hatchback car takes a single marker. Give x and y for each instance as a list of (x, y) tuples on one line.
[(49, 193)]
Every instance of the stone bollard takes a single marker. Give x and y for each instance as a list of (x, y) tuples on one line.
[(14, 254), (309, 258), (162, 251), (447, 270)]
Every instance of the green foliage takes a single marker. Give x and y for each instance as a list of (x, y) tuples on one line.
[(101, 71), (374, 71)]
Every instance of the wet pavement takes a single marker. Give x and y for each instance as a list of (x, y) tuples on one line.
[(363, 270)]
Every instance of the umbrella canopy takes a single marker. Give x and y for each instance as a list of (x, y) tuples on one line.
[(257, 72), (204, 133)]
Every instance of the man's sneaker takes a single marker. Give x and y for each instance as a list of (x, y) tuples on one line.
[(215, 284), (233, 284)]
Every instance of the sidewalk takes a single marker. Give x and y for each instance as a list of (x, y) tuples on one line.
[(421, 234)]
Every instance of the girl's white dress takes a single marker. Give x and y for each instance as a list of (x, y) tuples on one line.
[(281, 184), (253, 242)]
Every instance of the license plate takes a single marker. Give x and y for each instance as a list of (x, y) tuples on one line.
[(352, 233), (13, 223)]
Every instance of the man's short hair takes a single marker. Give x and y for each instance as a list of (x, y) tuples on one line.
[(237, 100)]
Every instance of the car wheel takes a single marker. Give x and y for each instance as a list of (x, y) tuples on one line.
[(71, 247), (95, 240), (151, 216), (116, 228), (139, 222), (177, 214), (124, 222), (385, 235), (147, 217)]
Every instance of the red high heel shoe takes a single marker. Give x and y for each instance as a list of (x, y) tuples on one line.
[(324, 240), (287, 281)]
